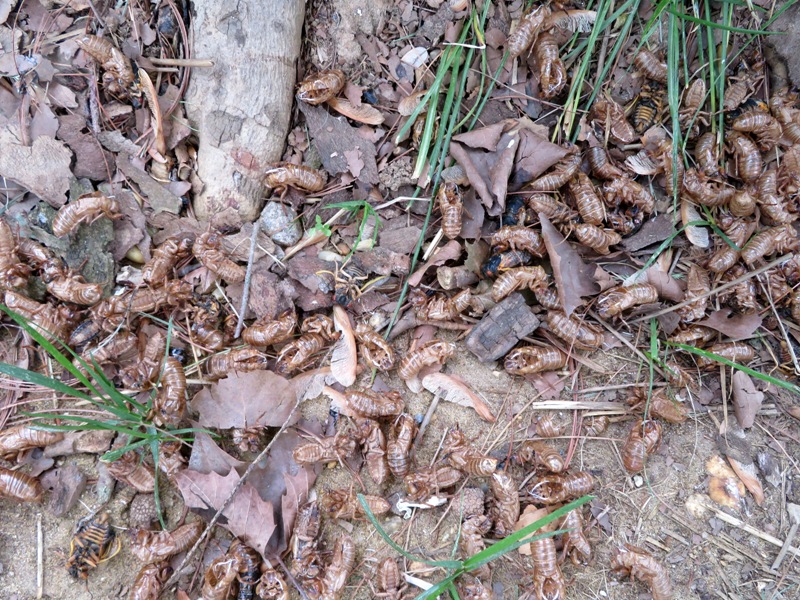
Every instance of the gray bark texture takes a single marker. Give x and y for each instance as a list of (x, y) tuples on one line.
[(241, 106)]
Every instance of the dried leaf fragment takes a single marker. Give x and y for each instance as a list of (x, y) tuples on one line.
[(344, 356), (747, 399), (454, 389)]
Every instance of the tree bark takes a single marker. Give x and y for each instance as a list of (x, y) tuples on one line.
[(241, 106)]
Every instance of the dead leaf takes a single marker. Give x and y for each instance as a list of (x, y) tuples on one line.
[(531, 514), (642, 164), (473, 215), (486, 138), (207, 457), (536, 154), (574, 278), (339, 402), (450, 251), (488, 172), (736, 327), (354, 162), (310, 384), (131, 229), (156, 195), (331, 135), (248, 517), (454, 389), (43, 168), (5, 9), (549, 384), (254, 399), (344, 356), (653, 231), (91, 160), (735, 446), (362, 113), (747, 399), (668, 287)]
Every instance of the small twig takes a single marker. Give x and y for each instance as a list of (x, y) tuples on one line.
[(247, 277), (97, 14), (427, 419), (721, 288), (182, 62), (251, 467), (94, 109), (39, 558)]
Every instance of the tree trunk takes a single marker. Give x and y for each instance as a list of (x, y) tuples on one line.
[(241, 106)]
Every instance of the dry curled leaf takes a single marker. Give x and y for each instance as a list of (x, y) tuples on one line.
[(43, 167), (344, 356), (369, 115), (747, 399), (573, 277), (454, 389), (746, 472), (450, 251)]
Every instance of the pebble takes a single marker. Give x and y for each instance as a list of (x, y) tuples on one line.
[(281, 224)]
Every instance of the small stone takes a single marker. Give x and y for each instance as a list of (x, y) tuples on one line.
[(281, 224), (638, 481)]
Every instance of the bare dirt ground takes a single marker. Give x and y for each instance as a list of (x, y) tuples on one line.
[(706, 557)]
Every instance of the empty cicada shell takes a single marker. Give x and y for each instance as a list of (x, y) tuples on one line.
[(533, 359), (556, 211), (68, 286), (424, 483), (219, 578), (640, 564), (619, 299), (398, 448), (377, 352), (601, 165), (643, 439), (338, 570), (562, 172), (19, 486), (771, 204), (574, 330), (160, 267), (595, 426), (239, 359), (430, 353), (705, 154), (12, 272), (661, 405), (548, 580), (272, 586), (586, 199), (23, 437), (321, 87), (698, 285), (471, 541), (650, 66), (149, 581), (707, 193), (439, 307), (541, 454), (118, 76), (769, 241), (528, 26), (266, 332), (505, 510), (131, 469), (596, 238), (748, 158), (611, 117), (690, 114), (153, 546), (390, 585), (375, 405), (519, 237), (450, 205), (624, 190), (556, 488), (327, 449), (462, 455), (552, 72), (296, 355), (374, 446), (283, 175), (86, 209), (344, 504), (209, 250), (737, 352), (170, 403), (548, 425), (531, 278)]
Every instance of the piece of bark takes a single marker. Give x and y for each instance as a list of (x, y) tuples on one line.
[(502, 328), (65, 484), (241, 106)]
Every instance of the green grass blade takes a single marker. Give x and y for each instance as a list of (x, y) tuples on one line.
[(753, 373), (439, 588), (154, 445), (518, 538), (42, 380), (49, 347), (117, 453), (715, 25), (673, 96), (447, 564)]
